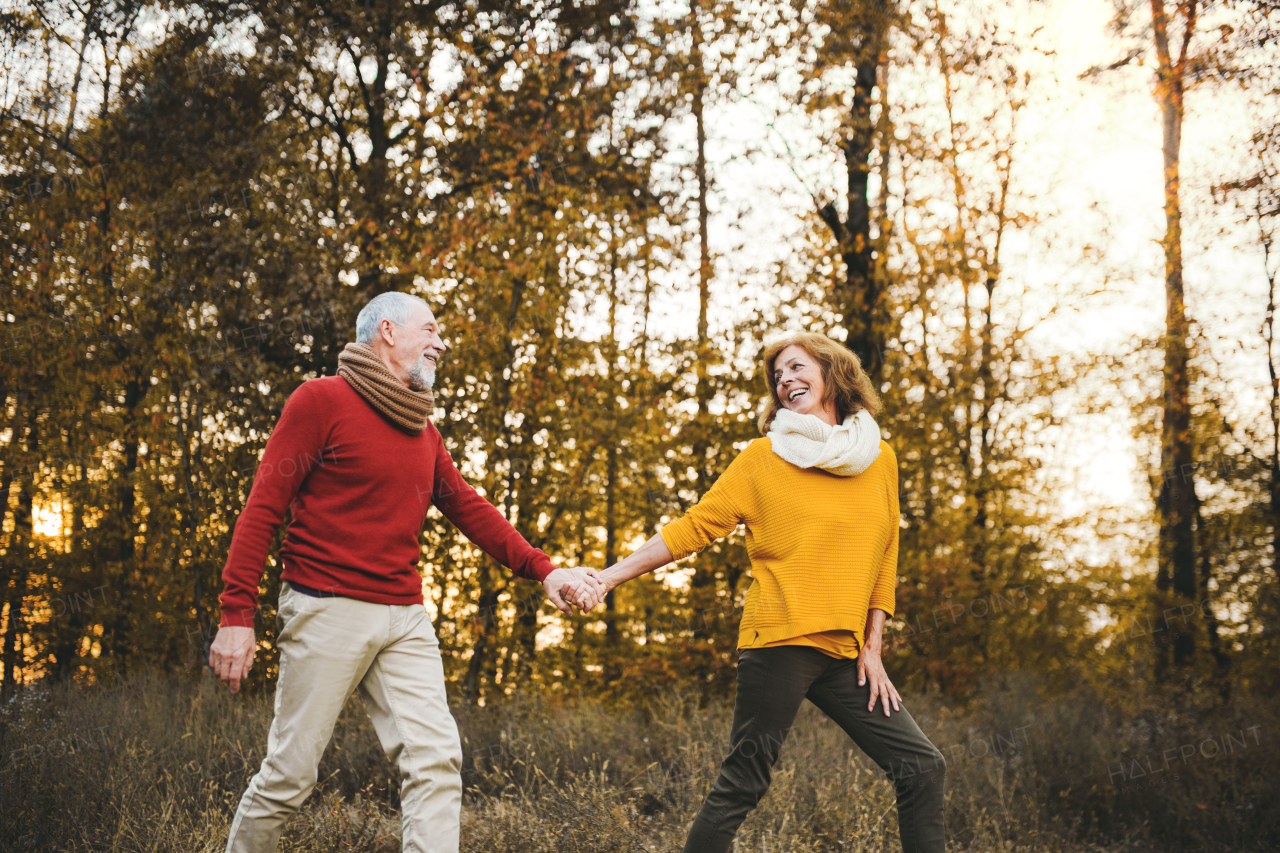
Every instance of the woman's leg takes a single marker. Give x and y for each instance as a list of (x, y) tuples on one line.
[(896, 743), (771, 686)]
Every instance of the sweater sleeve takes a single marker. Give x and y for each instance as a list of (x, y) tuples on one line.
[(714, 517), (883, 593), (481, 522), (295, 448)]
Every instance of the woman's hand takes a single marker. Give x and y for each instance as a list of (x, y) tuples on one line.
[(870, 667), (584, 604), (581, 586)]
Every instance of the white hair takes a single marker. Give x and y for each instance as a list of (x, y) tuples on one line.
[(392, 305)]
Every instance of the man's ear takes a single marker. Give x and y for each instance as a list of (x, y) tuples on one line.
[(387, 331)]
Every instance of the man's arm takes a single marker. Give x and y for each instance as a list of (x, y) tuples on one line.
[(481, 522), (293, 451)]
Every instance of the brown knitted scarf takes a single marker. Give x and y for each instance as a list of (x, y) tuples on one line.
[(364, 371)]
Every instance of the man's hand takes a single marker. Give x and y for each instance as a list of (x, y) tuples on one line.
[(231, 654), (870, 667), (607, 583), (581, 586)]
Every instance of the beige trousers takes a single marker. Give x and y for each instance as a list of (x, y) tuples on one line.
[(328, 648)]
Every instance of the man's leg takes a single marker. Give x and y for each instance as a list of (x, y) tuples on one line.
[(771, 686), (914, 764), (405, 696), (326, 645)]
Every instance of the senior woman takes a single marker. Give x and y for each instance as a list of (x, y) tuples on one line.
[(819, 498)]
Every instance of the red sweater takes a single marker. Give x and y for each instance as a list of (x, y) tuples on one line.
[(358, 491)]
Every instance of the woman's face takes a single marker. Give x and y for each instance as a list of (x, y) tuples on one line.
[(798, 381)]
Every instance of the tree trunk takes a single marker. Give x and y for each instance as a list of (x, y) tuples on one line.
[(704, 574), (859, 296), (66, 647), (374, 173), (1221, 660), (18, 557), (611, 450), (90, 27), (703, 391), (610, 537), (524, 640), (1269, 330), (485, 623), (8, 681), (1176, 572), (14, 564), (190, 427), (986, 377)]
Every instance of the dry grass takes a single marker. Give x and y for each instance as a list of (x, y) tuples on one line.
[(158, 763)]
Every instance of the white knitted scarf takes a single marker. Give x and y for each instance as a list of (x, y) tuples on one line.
[(810, 442)]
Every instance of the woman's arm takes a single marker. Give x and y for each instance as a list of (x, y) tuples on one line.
[(715, 516), (653, 554), (875, 630), (870, 665)]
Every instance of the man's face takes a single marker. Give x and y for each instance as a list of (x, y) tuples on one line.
[(414, 348)]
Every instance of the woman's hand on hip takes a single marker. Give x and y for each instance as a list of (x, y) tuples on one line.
[(871, 668)]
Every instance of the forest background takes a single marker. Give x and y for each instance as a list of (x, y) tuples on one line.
[(1046, 228)]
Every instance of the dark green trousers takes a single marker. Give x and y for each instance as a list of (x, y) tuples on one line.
[(771, 685)]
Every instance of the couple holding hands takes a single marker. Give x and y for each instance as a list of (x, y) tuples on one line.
[(356, 464)]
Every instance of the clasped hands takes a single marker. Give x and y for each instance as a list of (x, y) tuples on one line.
[(582, 586)]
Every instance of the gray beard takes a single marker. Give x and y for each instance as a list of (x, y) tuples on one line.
[(422, 376)]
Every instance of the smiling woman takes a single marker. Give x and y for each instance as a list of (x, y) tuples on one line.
[(811, 374), (818, 496)]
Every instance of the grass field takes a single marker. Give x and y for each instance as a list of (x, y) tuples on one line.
[(157, 763)]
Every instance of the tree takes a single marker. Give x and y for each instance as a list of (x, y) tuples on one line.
[(856, 36), (1176, 569)]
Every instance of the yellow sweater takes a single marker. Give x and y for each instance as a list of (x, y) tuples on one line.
[(824, 549)]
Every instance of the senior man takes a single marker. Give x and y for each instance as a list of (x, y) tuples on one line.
[(357, 463)]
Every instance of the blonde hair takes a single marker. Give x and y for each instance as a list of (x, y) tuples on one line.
[(847, 384)]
